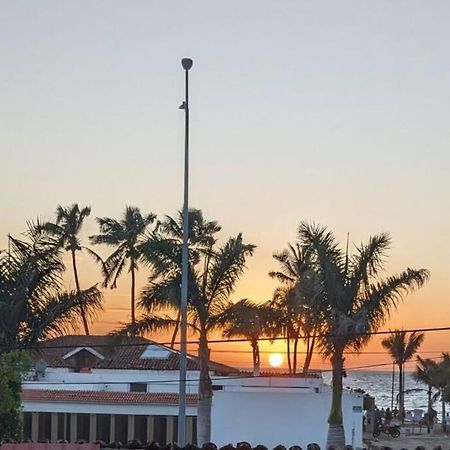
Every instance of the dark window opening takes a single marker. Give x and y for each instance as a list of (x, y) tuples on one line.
[(103, 427), (140, 428), (122, 428), (45, 426), (83, 426), (138, 387), (160, 429), (27, 425)]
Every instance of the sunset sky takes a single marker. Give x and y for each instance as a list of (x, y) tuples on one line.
[(334, 112)]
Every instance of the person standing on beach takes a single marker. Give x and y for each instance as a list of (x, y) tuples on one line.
[(387, 416)]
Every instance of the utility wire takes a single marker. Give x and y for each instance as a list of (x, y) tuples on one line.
[(222, 341), (237, 377)]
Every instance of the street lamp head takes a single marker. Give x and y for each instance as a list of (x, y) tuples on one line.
[(186, 63)]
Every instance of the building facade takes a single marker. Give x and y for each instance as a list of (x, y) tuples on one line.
[(100, 388)]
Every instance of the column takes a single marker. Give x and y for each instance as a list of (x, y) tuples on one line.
[(150, 428), (35, 426), (54, 427), (169, 430), (112, 429), (130, 433), (92, 427), (189, 429), (73, 427)]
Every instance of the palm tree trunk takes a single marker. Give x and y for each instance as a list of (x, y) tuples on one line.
[(444, 427), (294, 366), (133, 294), (392, 387), (288, 345), (256, 360), (336, 436), (77, 285), (309, 352), (429, 422), (401, 401), (175, 331), (205, 393)]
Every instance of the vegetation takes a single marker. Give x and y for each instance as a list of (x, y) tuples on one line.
[(328, 299), (126, 235), (213, 274), (13, 366), (402, 348), (436, 375), (66, 230), (296, 303), (33, 303), (355, 301), (245, 319)]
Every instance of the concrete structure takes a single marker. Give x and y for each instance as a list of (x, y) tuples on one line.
[(288, 411), (97, 388)]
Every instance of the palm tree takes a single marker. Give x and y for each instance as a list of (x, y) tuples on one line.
[(66, 229), (441, 381), (402, 348), (287, 321), (33, 305), (248, 320), (425, 373), (297, 302), (213, 274), (126, 235), (355, 302)]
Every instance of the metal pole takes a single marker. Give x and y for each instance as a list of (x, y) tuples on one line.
[(187, 64), (393, 382)]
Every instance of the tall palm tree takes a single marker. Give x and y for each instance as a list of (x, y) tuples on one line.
[(425, 373), (213, 274), (66, 229), (248, 320), (286, 321), (297, 302), (33, 304), (402, 348), (441, 381), (126, 235), (355, 302)]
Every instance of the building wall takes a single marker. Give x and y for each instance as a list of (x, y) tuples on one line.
[(54, 426), (282, 417)]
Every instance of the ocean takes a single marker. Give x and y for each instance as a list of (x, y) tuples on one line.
[(379, 385)]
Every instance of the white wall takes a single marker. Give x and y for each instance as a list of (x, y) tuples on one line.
[(287, 418), (116, 408)]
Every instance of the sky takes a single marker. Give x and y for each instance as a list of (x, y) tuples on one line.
[(333, 112)]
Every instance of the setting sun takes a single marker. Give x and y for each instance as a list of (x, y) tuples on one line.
[(276, 359)]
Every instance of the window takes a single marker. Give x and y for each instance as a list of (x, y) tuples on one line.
[(138, 387), (27, 425), (103, 427), (140, 428), (45, 426), (83, 426), (121, 428)]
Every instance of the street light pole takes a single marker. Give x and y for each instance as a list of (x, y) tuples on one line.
[(187, 64)]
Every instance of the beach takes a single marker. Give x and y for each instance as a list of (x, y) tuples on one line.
[(429, 441)]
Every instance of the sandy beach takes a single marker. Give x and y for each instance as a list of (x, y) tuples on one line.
[(429, 441)]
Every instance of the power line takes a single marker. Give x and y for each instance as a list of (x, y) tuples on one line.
[(223, 378), (226, 341)]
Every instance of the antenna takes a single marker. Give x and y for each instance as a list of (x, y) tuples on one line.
[(346, 252)]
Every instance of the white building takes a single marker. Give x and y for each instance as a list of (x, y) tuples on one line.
[(281, 410), (93, 387)]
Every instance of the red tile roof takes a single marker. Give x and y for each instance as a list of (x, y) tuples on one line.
[(119, 353), (127, 398)]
